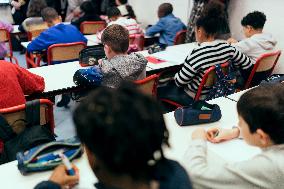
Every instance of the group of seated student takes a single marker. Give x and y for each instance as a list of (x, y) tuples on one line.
[(124, 143), (210, 51), (34, 20)]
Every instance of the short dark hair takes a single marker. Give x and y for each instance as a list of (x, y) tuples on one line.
[(113, 11), (35, 7), (254, 19), (116, 37), (49, 14), (263, 108), (123, 2), (123, 128), (212, 19), (88, 7), (166, 9)]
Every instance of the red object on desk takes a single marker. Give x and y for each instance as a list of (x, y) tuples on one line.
[(154, 60)]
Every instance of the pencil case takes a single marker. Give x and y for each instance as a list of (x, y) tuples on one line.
[(47, 156), (91, 55), (198, 113)]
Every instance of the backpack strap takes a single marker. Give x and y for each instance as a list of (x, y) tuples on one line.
[(6, 131), (33, 112)]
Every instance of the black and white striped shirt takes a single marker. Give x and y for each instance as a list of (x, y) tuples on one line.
[(202, 58)]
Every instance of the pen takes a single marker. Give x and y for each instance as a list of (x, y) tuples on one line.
[(216, 134), (67, 164)]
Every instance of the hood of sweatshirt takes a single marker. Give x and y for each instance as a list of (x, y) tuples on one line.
[(265, 40)]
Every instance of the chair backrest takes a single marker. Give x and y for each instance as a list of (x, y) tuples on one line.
[(210, 78), (16, 115), (180, 37), (34, 33), (265, 63), (6, 38), (64, 52), (138, 40), (149, 85), (92, 27)]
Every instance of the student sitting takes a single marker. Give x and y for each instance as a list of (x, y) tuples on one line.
[(125, 9), (256, 42), (15, 83), (57, 33), (34, 20), (124, 135), (261, 118), (168, 25), (119, 66), (87, 14), (209, 52), (3, 48)]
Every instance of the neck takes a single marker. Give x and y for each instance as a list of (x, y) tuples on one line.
[(259, 31)]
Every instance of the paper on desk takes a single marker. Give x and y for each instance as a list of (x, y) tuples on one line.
[(238, 150), (170, 56)]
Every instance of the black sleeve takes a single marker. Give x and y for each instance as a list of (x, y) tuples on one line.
[(47, 185)]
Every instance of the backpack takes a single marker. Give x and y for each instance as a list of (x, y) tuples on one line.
[(225, 84), (33, 134)]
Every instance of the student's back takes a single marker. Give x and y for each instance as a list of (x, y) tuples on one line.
[(57, 33), (15, 82)]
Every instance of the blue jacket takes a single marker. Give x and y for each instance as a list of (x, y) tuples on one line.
[(168, 26), (60, 33)]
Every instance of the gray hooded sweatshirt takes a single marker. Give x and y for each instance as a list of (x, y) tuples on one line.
[(256, 45), (123, 67)]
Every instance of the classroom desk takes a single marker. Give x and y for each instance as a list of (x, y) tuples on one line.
[(16, 28), (236, 96), (231, 151)]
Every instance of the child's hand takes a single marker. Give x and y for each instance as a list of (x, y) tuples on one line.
[(217, 135), (231, 40), (199, 133), (61, 177)]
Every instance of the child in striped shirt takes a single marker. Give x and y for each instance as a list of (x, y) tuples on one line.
[(209, 53)]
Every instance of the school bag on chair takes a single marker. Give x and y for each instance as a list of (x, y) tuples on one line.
[(225, 84), (33, 134)]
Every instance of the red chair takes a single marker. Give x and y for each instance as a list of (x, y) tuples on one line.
[(64, 52), (180, 37), (149, 85), (208, 80), (137, 40), (6, 38), (92, 27), (34, 33), (266, 63), (57, 52), (14, 115)]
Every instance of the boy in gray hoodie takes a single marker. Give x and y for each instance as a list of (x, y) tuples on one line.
[(256, 42), (119, 65)]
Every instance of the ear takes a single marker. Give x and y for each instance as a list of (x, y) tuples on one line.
[(108, 49), (264, 138)]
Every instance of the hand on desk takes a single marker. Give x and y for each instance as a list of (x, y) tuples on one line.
[(217, 135), (61, 177), (232, 40)]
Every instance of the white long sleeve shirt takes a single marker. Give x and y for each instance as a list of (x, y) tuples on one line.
[(265, 170)]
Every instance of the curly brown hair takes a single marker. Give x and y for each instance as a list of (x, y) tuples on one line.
[(35, 7)]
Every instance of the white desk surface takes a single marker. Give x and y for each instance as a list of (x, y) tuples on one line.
[(58, 76), (173, 55), (232, 151)]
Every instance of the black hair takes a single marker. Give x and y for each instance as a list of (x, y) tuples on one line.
[(124, 128), (254, 19), (212, 19), (48, 14), (88, 7), (123, 2), (166, 9), (263, 108), (113, 11)]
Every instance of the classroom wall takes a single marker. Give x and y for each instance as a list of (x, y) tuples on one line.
[(274, 24)]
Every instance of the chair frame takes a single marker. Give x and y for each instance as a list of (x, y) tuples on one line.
[(49, 50), (8, 40), (154, 77), (257, 64), (49, 113), (90, 23), (178, 35)]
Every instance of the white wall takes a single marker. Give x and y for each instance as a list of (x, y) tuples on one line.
[(146, 10), (273, 9)]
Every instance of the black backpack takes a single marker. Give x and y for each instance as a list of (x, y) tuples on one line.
[(33, 135)]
